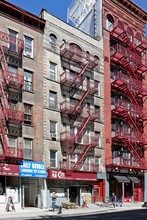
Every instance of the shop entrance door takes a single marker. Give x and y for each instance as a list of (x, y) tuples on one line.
[(73, 194)]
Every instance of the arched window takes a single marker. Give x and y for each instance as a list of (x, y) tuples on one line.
[(120, 24), (96, 60), (138, 39), (53, 40), (75, 49), (109, 22), (87, 55), (130, 33)]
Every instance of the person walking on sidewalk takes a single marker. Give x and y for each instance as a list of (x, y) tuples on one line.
[(114, 199), (54, 206)]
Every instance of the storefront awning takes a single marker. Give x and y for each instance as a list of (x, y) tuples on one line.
[(122, 179), (134, 179)]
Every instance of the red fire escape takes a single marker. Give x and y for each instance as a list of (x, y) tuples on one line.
[(9, 81), (78, 112), (127, 68)]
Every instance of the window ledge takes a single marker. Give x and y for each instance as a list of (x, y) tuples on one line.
[(28, 57)]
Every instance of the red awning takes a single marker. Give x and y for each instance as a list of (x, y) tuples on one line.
[(9, 170)]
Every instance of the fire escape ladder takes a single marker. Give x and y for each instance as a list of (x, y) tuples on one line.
[(80, 73), (3, 64), (133, 126), (4, 101), (80, 102), (131, 95), (79, 133), (81, 157), (133, 150), (4, 140)]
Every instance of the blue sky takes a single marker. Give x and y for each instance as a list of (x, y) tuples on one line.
[(56, 7)]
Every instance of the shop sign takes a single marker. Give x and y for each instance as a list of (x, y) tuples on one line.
[(9, 170), (61, 175), (101, 176), (33, 169)]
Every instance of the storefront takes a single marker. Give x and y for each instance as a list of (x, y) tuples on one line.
[(71, 186), (127, 188), (9, 179), (32, 181), (25, 180)]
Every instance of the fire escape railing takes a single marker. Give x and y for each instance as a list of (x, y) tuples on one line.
[(129, 56), (6, 114), (134, 43), (75, 81)]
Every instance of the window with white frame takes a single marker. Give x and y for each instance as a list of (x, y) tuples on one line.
[(109, 22), (53, 158), (12, 73), (28, 46), (12, 142), (28, 114), (13, 40), (52, 99), (97, 138), (28, 148), (53, 127), (28, 76), (53, 40), (53, 71)]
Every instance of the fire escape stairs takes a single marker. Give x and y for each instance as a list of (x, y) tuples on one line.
[(4, 64), (4, 103), (80, 73), (80, 160), (77, 107), (79, 133)]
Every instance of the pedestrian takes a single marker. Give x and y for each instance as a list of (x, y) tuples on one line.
[(54, 198), (54, 206), (114, 199)]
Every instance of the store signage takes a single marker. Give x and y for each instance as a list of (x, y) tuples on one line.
[(62, 175), (33, 169), (101, 176), (9, 170)]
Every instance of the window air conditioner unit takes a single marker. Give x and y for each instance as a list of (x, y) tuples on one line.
[(53, 136)]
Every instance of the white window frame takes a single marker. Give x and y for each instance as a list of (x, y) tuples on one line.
[(52, 132), (52, 100), (14, 142), (28, 47), (28, 148), (30, 82), (53, 72), (52, 159), (16, 36)]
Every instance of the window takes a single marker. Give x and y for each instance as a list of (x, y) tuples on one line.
[(53, 71), (53, 40), (109, 22), (13, 40), (53, 158), (28, 80), (12, 74), (12, 142), (52, 99), (28, 114), (97, 111), (27, 148), (53, 129), (97, 138), (28, 46)]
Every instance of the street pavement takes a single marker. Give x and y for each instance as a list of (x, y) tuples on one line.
[(36, 213)]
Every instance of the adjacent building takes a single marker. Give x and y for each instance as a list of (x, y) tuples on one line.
[(121, 24), (73, 115), (21, 102)]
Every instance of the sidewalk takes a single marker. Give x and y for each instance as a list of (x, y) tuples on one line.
[(36, 213)]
